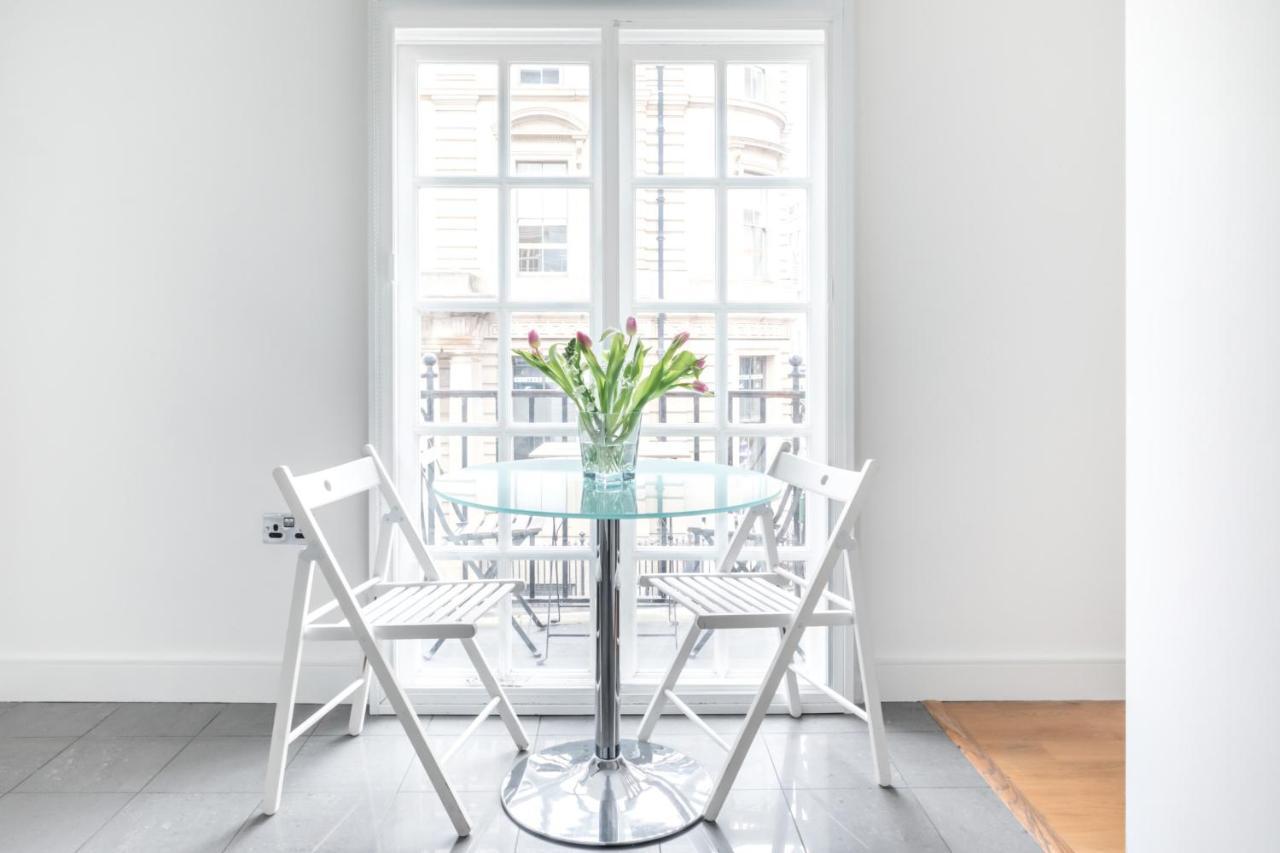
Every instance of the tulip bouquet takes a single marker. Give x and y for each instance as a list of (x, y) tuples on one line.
[(611, 389)]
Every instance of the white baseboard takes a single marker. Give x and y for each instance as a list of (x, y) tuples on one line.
[(71, 680), (913, 680)]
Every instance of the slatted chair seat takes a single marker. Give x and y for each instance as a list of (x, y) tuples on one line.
[(423, 611), (741, 600)]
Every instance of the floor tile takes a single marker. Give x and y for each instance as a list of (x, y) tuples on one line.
[(479, 765), (814, 724), (52, 823), (583, 727), (53, 719), (492, 726), (750, 821), (161, 823), (104, 765), (909, 717), (931, 760), (824, 760), (974, 820), (318, 821), (867, 820), (239, 720), (757, 769), (22, 756), (381, 725), (530, 843), (344, 763), (562, 728), (157, 719), (417, 822), (218, 765), (898, 717)]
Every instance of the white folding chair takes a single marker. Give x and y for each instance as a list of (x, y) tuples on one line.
[(729, 600), (377, 610)]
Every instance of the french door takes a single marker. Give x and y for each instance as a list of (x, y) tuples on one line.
[(558, 180)]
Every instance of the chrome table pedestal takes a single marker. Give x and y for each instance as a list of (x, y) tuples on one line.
[(609, 791)]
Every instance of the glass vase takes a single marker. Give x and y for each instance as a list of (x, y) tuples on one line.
[(608, 445)]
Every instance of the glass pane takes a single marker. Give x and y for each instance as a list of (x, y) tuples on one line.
[(551, 244), (757, 452), (550, 119), (457, 119), (675, 120), (557, 591), (457, 242), (768, 245), (768, 118), (681, 406), (534, 397), (444, 522), (459, 358), (681, 531), (675, 244), (552, 617), (768, 368)]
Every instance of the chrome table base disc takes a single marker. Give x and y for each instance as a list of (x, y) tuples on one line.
[(565, 793)]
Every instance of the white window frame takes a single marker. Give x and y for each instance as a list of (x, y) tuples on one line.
[(609, 120)]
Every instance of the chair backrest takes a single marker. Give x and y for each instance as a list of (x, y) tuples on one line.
[(307, 492), (837, 484)]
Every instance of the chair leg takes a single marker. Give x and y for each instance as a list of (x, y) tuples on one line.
[(360, 701), (290, 668), (491, 684), (668, 683), (875, 714), (792, 686), (755, 716), (867, 671), (417, 738)]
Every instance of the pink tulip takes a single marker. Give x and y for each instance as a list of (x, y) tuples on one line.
[(631, 327), (700, 387), (584, 340), (680, 339), (534, 340), (701, 363)]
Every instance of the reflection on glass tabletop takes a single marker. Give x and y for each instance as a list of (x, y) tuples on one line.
[(555, 487)]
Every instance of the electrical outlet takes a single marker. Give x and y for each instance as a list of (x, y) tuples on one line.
[(281, 529)]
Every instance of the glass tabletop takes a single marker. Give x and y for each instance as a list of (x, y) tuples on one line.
[(555, 487)]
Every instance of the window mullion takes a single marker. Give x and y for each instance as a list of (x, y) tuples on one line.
[(611, 176), (722, 289)]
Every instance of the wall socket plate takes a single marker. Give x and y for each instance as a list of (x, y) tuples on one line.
[(279, 528)]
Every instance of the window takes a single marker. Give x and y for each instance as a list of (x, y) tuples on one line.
[(751, 370), (546, 76), (706, 216)]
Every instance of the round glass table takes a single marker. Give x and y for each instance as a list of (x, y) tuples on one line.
[(607, 791)]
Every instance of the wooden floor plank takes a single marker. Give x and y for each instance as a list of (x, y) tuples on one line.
[(1059, 766)]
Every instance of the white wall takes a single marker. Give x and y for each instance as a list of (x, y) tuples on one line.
[(182, 221), (990, 343), (1203, 763), (183, 214)]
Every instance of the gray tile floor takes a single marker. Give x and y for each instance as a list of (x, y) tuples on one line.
[(187, 777)]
